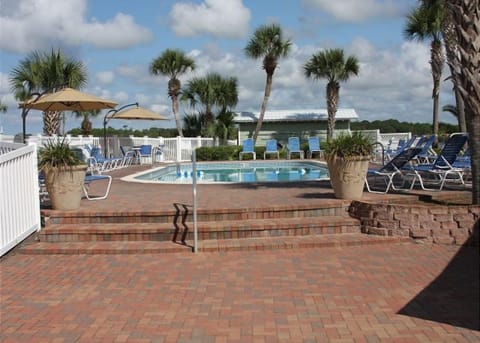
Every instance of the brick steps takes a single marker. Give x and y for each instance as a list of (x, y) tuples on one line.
[(216, 245), (186, 213), (206, 230), (171, 231)]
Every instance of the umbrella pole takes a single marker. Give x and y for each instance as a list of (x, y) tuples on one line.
[(105, 121)]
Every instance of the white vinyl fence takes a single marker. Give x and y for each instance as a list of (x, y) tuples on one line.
[(175, 149), (19, 199)]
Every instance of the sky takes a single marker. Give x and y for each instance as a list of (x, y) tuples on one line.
[(118, 39)]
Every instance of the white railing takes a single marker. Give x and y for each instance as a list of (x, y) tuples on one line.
[(19, 198), (176, 149)]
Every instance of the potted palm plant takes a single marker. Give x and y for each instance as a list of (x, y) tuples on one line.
[(348, 156), (64, 174)]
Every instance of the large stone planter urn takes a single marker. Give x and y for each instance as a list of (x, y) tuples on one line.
[(65, 187), (347, 175)]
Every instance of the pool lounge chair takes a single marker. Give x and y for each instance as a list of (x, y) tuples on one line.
[(392, 169), (427, 155), (89, 179), (293, 147), (248, 148), (271, 147), (100, 163), (314, 147), (145, 154), (443, 169)]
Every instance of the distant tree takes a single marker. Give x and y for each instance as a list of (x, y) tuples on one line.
[(173, 63), (86, 125), (46, 73), (192, 124), (210, 96), (267, 43), (425, 23), (3, 107), (331, 65)]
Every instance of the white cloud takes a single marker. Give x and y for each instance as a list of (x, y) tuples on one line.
[(121, 97), (358, 11), (36, 24), (105, 77), (220, 18)]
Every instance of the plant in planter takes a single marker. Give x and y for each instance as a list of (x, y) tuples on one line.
[(64, 174), (348, 157)]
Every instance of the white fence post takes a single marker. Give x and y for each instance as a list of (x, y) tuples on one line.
[(19, 200), (178, 143)]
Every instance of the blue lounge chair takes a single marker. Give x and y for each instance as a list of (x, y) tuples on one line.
[(146, 154), (128, 156), (293, 147), (314, 147), (443, 169), (248, 148), (271, 147), (402, 145), (89, 179), (427, 155), (100, 163), (392, 169)]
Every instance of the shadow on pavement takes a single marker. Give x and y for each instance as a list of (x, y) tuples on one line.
[(454, 296)]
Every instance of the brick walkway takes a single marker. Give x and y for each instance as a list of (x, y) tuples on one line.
[(403, 292)]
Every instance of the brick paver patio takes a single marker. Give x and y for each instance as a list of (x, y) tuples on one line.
[(403, 292), (398, 292)]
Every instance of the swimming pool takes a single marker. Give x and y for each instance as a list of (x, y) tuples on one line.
[(235, 172)]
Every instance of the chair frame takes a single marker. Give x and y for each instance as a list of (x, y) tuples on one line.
[(93, 177), (443, 167), (296, 149), (392, 169), (247, 143), (315, 142), (271, 147)]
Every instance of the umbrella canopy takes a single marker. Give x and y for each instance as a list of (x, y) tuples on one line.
[(69, 99), (137, 113)]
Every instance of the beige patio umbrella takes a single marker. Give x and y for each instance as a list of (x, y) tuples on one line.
[(136, 113), (69, 99)]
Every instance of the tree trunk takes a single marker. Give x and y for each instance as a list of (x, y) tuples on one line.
[(451, 48), (474, 145), (332, 102), (178, 122), (437, 65), (462, 123), (268, 89), (51, 122), (466, 16)]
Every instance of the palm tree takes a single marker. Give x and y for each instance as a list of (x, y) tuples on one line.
[(331, 65), (173, 63), (425, 22), (192, 124), (211, 94), (86, 123), (44, 73), (466, 17), (451, 47), (267, 42)]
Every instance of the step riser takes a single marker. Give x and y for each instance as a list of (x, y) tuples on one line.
[(119, 218), (245, 232)]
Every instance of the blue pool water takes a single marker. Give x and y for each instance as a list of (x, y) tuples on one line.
[(230, 172)]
